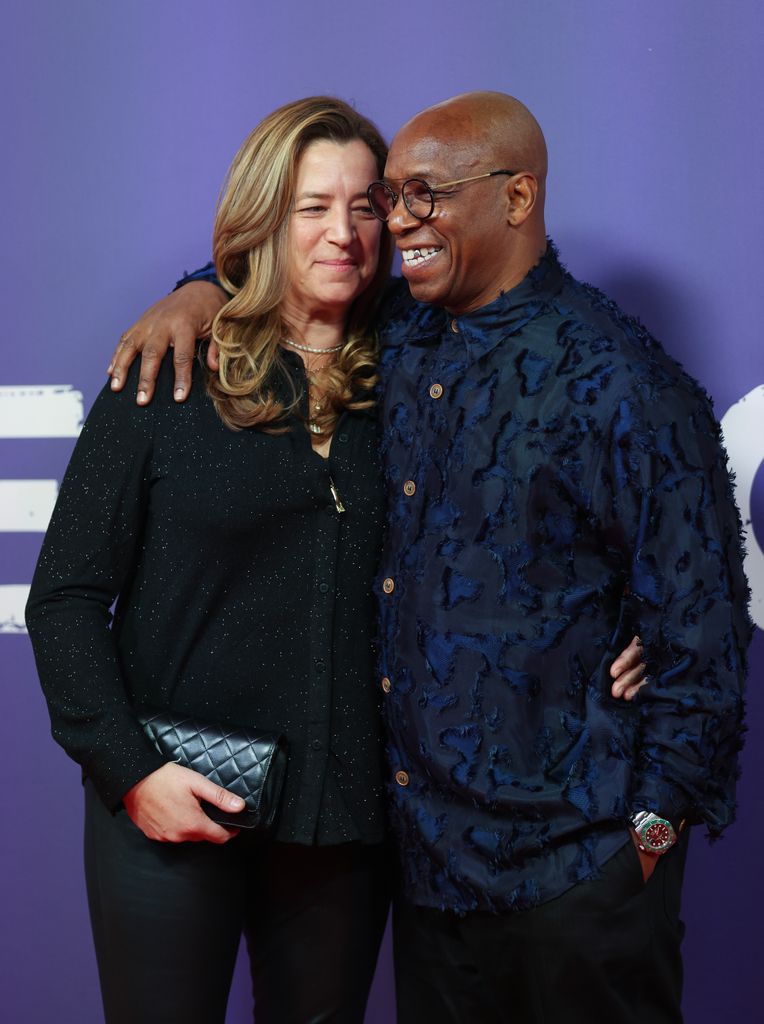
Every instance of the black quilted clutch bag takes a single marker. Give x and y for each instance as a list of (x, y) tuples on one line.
[(247, 762)]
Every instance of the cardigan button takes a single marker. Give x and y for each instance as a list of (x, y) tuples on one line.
[(323, 588), (386, 684), (409, 488), (388, 585), (402, 778), (436, 390)]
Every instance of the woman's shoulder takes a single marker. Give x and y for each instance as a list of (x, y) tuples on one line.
[(164, 386), (116, 413)]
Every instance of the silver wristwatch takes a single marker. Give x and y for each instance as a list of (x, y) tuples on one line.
[(655, 835)]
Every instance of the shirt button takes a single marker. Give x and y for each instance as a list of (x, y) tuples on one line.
[(455, 326), (409, 488), (342, 437), (436, 390), (320, 666), (316, 744), (323, 588), (402, 778), (386, 684), (388, 585)]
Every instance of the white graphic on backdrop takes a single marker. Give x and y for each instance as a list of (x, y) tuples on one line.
[(34, 411), (54, 410), (13, 597), (743, 428), (26, 505)]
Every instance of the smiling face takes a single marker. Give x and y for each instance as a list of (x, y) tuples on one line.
[(457, 258), (333, 238)]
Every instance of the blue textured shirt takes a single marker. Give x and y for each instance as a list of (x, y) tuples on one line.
[(556, 483)]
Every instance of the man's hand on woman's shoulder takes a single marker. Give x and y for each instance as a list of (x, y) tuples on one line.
[(176, 321)]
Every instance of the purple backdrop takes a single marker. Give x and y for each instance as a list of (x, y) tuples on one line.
[(119, 122)]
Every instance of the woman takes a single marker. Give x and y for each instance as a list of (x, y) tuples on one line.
[(240, 533)]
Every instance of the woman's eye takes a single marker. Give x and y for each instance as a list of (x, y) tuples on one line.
[(311, 209), (364, 210)]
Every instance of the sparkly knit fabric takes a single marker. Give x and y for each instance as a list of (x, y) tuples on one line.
[(555, 484), (243, 596)]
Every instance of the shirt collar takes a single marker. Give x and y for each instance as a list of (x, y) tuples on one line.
[(483, 329)]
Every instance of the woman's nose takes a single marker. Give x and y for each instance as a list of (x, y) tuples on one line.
[(341, 230)]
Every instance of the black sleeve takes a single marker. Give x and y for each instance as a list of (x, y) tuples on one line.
[(88, 552)]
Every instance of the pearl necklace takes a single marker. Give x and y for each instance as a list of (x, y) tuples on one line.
[(314, 351)]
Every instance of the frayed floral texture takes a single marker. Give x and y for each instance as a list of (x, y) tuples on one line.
[(571, 491)]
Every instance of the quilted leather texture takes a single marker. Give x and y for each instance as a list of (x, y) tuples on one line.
[(247, 762)]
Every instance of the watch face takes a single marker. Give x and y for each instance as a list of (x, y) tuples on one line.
[(658, 836)]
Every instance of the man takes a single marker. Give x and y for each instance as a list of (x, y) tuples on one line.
[(555, 483)]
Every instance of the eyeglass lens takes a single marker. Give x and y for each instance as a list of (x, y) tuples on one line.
[(416, 195), (418, 198)]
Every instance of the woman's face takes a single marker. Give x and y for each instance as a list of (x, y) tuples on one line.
[(333, 237)]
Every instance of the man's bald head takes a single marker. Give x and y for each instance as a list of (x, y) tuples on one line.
[(483, 236), (494, 125)]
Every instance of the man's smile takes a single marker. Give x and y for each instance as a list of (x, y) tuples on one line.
[(417, 257)]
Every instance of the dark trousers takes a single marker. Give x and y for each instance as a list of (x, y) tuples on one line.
[(605, 952), (167, 919)]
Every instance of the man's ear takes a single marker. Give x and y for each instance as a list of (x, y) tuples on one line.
[(521, 194)]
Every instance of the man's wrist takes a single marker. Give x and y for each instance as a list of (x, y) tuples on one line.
[(207, 274), (654, 834)]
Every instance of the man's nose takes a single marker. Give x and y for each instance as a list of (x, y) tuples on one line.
[(401, 218)]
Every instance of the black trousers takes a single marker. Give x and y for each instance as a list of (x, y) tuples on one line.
[(167, 919), (605, 952)]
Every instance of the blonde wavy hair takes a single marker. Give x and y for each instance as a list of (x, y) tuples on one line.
[(250, 252)]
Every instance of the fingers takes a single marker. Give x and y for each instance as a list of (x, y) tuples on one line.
[(632, 691), (648, 861), (213, 357), (214, 833), (628, 671), (629, 683), (175, 321), (195, 829), (124, 354), (212, 794), (151, 360), (204, 789), (165, 806), (628, 659), (183, 355)]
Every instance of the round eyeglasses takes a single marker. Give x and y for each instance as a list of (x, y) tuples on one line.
[(418, 197)]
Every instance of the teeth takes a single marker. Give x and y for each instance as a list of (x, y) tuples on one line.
[(414, 257)]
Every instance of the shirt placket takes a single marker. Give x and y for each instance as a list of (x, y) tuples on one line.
[(427, 399), (328, 523)]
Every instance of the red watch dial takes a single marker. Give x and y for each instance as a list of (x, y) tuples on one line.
[(657, 836)]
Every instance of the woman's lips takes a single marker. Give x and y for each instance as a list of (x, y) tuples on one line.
[(338, 264)]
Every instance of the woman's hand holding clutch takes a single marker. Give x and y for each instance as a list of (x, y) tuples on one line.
[(165, 806)]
